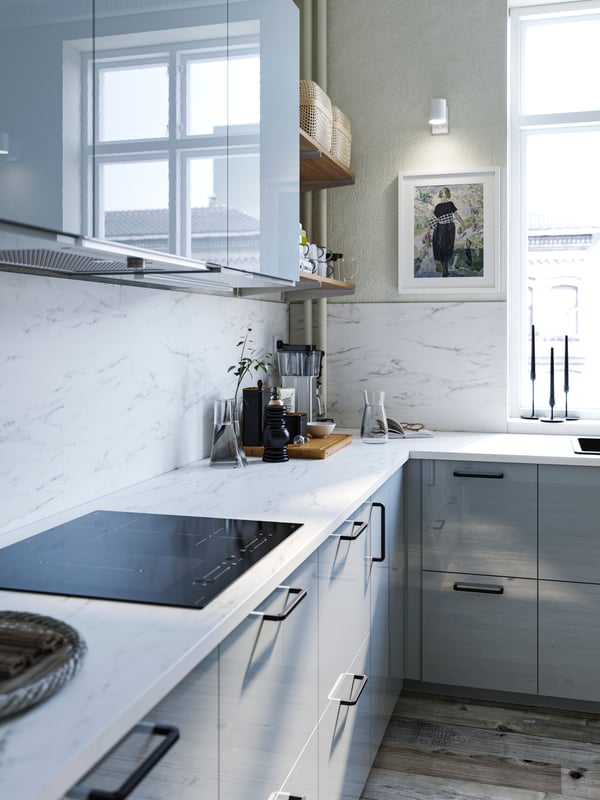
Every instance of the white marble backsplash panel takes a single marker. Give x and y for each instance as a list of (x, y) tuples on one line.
[(443, 364), (102, 386)]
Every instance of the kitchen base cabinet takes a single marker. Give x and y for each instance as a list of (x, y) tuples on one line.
[(190, 769), (569, 646), (345, 732), (387, 586), (480, 631), (344, 599), (268, 690)]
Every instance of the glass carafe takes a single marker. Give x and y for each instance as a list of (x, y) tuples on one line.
[(374, 429)]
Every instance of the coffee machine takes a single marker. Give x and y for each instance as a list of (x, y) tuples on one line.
[(300, 368)]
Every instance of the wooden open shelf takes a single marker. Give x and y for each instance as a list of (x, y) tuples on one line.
[(310, 287), (319, 169)]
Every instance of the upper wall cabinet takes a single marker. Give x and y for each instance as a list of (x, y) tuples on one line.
[(168, 125), (41, 96)]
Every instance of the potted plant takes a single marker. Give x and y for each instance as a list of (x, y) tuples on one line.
[(226, 450)]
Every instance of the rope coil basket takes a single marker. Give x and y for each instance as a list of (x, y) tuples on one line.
[(341, 137), (38, 655), (316, 116)]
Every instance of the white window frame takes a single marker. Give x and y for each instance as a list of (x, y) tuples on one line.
[(520, 126), (177, 147)]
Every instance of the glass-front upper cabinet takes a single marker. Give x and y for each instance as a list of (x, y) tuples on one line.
[(44, 110), (194, 144), (170, 125)]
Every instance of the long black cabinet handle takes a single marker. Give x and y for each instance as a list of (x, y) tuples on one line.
[(300, 595), (381, 507), (285, 796), (357, 528), (170, 735), (493, 475), (482, 588)]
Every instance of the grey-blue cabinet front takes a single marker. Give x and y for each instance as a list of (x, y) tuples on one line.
[(478, 580), (569, 598), (42, 74), (189, 770), (164, 125), (268, 691)]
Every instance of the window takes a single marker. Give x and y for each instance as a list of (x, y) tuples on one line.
[(555, 204), (169, 168)]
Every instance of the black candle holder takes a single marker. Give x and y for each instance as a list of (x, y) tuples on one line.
[(552, 401), (532, 377)]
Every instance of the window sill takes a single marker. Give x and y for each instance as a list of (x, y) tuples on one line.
[(590, 427)]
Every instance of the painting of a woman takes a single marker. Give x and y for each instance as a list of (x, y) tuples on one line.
[(443, 225)]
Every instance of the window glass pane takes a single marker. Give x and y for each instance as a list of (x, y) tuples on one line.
[(560, 66), (563, 178), (206, 97), (563, 270), (133, 103), (244, 90), (225, 209), (210, 83), (135, 203)]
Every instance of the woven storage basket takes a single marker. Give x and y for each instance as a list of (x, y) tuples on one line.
[(316, 117), (341, 136)]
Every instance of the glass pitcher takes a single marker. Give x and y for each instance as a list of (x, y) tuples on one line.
[(374, 429)]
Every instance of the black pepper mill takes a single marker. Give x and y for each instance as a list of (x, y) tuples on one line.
[(275, 434)]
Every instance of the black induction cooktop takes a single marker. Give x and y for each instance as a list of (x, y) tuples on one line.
[(140, 558)]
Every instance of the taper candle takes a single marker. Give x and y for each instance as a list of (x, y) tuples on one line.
[(532, 368), (552, 399), (566, 387)]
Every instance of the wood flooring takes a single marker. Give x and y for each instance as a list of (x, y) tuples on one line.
[(439, 748)]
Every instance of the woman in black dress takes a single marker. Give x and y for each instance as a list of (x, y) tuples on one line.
[(444, 229)]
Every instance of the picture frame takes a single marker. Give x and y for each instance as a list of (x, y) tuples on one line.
[(448, 234)]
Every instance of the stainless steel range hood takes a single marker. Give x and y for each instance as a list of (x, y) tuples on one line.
[(44, 252)]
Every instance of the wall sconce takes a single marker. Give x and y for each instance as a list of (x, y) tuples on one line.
[(4, 144), (438, 115)]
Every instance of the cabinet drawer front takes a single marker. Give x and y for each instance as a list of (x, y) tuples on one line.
[(569, 640), (189, 770), (569, 523), (480, 631), (480, 518), (344, 734), (344, 606), (268, 691)]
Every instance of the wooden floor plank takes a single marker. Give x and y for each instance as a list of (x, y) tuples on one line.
[(558, 724), (479, 767), (393, 785), (438, 748)]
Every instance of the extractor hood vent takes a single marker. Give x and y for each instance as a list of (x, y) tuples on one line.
[(60, 255), (58, 261)]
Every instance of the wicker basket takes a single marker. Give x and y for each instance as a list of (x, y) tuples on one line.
[(316, 117), (341, 137)]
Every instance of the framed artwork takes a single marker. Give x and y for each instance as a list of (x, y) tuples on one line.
[(448, 233)]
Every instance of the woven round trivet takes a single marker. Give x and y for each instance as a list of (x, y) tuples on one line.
[(50, 671)]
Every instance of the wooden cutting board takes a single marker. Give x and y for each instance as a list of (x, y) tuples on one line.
[(314, 448)]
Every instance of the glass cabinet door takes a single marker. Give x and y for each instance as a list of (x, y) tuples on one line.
[(43, 46), (194, 148)]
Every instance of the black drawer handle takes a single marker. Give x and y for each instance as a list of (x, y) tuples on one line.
[(497, 476), (354, 698), (300, 595), (170, 734), (482, 588), (357, 528), (381, 507)]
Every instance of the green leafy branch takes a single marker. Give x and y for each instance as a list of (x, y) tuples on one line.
[(249, 362)]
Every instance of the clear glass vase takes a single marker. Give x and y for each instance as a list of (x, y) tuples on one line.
[(374, 429), (226, 449)]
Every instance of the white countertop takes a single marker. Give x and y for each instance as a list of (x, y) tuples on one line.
[(138, 653)]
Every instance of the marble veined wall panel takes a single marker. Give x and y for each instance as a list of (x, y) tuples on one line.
[(103, 386), (443, 364)]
